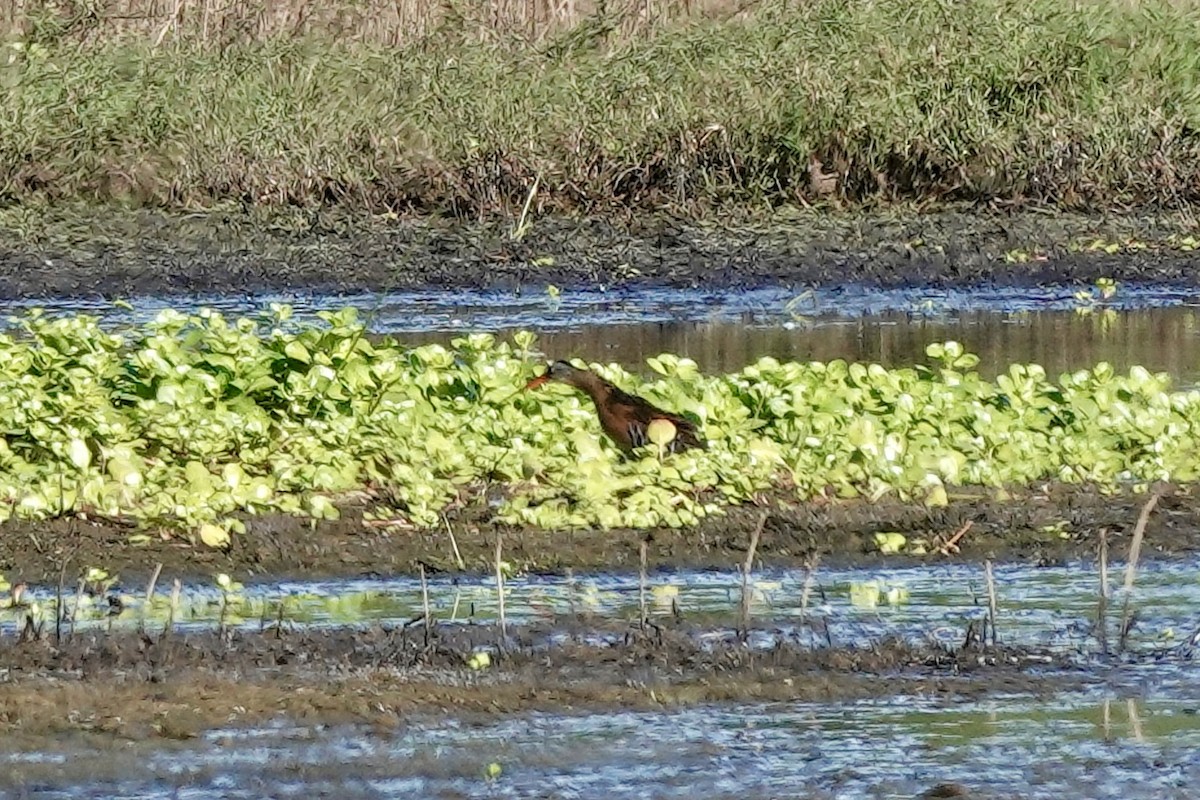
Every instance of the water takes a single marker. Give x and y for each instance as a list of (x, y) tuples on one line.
[(1133, 734), (1049, 607), (1108, 742), (1155, 326)]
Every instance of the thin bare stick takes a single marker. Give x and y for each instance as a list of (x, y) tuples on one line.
[(176, 588), (642, 583), (149, 597), (1135, 550), (1135, 721), (221, 618), (1102, 601), (992, 604), (809, 577), (1104, 561), (172, 23), (458, 559), (59, 611), (500, 586), (523, 226), (746, 568), (1135, 546), (571, 589), (951, 545), (75, 608), (425, 602)]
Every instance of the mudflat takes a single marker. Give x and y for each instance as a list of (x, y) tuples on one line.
[(114, 254)]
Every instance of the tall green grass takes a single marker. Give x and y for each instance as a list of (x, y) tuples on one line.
[(1085, 106)]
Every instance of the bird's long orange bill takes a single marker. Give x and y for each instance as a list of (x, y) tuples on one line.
[(538, 381)]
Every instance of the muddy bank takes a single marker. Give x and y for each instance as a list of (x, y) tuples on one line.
[(101, 254), (138, 686), (1047, 526)]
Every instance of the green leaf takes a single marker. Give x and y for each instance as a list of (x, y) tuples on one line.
[(198, 476), (214, 536), (80, 455), (297, 351), (890, 542)]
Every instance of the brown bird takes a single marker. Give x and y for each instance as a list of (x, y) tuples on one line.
[(624, 417)]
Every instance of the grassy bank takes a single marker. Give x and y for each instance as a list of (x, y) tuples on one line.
[(190, 421), (839, 101)]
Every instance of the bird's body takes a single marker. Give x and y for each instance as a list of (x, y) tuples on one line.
[(626, 418)]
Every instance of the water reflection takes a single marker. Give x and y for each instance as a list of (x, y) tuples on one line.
[(1161, 339), (1155, 326)]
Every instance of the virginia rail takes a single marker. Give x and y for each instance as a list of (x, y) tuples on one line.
[(624, 417)]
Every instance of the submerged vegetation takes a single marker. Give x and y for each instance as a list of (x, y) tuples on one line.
[(1089, 104), (192, 421)]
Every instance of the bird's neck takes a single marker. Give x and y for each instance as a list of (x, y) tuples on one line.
[(593, 386)]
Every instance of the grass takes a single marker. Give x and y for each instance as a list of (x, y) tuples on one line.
[(839, 102), (389, 22)]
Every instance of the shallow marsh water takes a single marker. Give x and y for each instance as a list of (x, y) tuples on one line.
[(1132, 735), (1118, 741), (1155, 326), (1051, 607)]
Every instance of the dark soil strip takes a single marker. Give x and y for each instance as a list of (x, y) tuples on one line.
[(175, 687), (122, 254), (1043, 527)]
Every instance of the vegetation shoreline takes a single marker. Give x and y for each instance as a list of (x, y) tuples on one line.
[(186, 420), (1057, 524), (831, 103)]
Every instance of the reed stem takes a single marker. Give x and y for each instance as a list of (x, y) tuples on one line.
[(747, 566), (1135, 551)]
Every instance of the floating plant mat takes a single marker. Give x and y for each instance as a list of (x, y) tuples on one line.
[(190, 420)]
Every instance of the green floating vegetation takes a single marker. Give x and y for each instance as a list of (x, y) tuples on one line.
[(195, 421)]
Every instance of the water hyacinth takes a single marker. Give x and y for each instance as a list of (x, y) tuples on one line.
[(187, 421)]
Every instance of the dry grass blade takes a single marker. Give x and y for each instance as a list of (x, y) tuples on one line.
[(386, 22), (747, 566), (500, 588), (149, 595), (173, 610), (75, 606), (951, 545), (993, 601), (458, 559), (425, 605), (59, 611), (1135, 551), (1135, 544), (643, 556), (1102, 600), (810, 576)]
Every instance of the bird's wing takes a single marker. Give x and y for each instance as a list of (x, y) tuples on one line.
[(638, 414)]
